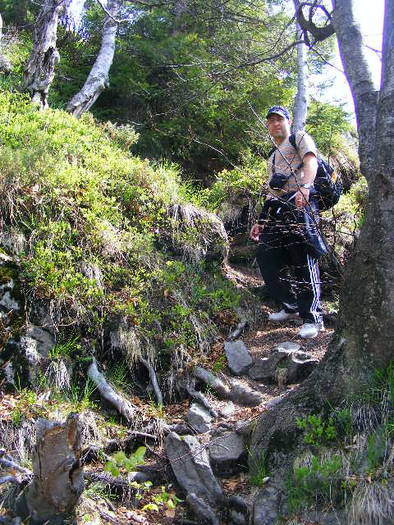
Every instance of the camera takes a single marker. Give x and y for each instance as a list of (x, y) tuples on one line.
[(277, 181)]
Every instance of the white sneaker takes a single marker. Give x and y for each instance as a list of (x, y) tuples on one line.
[(310, 330), (279, 317)]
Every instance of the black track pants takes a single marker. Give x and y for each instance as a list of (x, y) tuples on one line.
[(290, 273)]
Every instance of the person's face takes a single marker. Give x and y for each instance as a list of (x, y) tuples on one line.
[(278, 126)]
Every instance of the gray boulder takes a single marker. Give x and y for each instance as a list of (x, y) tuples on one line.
[(245, 396), (238, 357), (199, 418), (227, 454), (264, 368), (266, 508), (299, 366), (190, 463)]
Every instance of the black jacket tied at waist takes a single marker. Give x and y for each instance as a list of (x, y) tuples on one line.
[(284, 222)]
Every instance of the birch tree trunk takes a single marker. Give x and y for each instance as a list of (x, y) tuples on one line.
[(40, 69), (97, 80), (301, 100), (5, 65)]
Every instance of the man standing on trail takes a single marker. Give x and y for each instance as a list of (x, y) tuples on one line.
[(287, 229)]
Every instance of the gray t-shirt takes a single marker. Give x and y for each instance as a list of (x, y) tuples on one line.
[(285, 159)]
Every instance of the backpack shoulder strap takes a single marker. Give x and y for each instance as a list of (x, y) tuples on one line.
[(292, 140), (271, 151)]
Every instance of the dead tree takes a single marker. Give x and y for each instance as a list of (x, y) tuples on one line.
[(40, 68), (97, 80), (57, 483)]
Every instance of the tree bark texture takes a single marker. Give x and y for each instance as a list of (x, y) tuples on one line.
[(58, 480), (40, 69), (97, 80), (301, 99), (367, 305)]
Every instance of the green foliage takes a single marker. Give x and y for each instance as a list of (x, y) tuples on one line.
[(163, 499), (64, 350), (121, 463), (80, 396), (327, 124), (259, 470), (313, 484), (317, 431)]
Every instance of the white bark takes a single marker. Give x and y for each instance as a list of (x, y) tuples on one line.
[(351, 49), (40, 69), (124, 407), (97, 80), (301, 100), (154, 381)]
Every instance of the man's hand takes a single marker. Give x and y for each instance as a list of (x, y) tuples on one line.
[(255, 232), (302, 197)]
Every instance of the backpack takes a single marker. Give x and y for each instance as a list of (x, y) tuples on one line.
[(327, 184)]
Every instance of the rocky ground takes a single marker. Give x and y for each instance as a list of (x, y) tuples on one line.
[(234, 400)]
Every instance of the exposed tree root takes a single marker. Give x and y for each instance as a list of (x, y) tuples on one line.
[(122, 405), (154, 381)]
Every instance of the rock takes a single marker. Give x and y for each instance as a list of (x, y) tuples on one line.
[(245, 396), (287, 364), (287, 345), (204, 512), (8, 302), (227, 410), (239, 511), (299, 366), (44, 340), (199, 418), (227, 454), (238, 357), (266, 506), (190, 463), (264, 368)]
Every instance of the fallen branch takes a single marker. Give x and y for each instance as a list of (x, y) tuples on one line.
[(153, 380), (212, 381), (123, 406), (238, 330)]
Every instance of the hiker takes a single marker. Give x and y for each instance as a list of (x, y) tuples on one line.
[(287, 229)]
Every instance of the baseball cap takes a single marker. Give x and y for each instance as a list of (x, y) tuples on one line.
[(279, 110)]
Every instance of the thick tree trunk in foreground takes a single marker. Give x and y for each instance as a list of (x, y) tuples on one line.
[(58, 480), (98, 77), (363, 339), (40, 69)]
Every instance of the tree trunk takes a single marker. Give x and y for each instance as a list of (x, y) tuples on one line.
[(301, 99), (40, 69), (5, 65), (97, 80), (58, 480)]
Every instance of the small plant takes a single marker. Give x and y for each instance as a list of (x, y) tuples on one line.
[(259, 471), (219, 364), (64, 350), (121, 463), (317, 483), (317, 432), (163, 499)]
